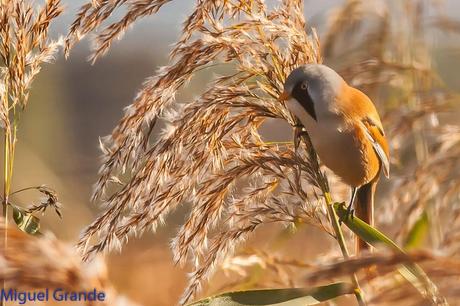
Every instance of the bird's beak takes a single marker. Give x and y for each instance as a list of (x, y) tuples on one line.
[(284, 96)]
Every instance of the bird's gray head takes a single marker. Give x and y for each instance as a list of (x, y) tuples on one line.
[(314, 86)]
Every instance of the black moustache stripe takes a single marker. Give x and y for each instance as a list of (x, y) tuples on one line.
[(304, 98)]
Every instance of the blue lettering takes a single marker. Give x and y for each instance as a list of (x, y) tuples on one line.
[(74, 296), (100, 296), (7, 297), (92, 295), (40, 296), (58, 294), (22, 297)]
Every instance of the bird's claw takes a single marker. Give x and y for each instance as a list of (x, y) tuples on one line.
[(349, 214)]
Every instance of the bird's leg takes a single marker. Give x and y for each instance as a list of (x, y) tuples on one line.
[(350, 210)]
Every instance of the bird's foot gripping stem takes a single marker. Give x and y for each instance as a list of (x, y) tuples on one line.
[(350, 211), (349, 214)]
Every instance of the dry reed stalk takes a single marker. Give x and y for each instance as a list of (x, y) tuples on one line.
[(24, 46), (383, 286)]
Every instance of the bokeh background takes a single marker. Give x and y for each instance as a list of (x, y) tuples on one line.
[(72, 103)]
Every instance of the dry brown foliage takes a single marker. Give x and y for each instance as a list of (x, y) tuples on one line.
[(211, 143), (29, 262), (211, 155), (381, 283), (24, 47)]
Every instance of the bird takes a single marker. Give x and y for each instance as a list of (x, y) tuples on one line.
[(345, 130)]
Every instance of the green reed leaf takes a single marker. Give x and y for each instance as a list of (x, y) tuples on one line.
[(418, 232), (410, 271), (274, 297), (25, 221)]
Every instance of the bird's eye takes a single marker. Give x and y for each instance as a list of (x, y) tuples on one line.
[(303, 86)]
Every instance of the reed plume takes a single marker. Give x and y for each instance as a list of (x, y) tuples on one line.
[(211, 155), (25, 46), (211, 144)]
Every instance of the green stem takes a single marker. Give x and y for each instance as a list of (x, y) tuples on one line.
[(5, 197), (343, 247), (324, 186), (8, 160)]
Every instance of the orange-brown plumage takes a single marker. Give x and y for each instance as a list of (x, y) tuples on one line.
[(345, 130), (360, 113)]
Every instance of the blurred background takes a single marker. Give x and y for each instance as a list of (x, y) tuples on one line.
[(72, 103)]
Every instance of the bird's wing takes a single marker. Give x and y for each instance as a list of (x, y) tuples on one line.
[(375, 134), (357, 106)]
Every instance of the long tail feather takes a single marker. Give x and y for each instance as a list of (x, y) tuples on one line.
[(364, 209)]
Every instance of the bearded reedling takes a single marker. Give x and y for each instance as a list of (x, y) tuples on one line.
[(345, 130)]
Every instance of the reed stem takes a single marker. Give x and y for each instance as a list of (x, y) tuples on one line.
[(343, 247), (324, 186), (5, 197), (9, 141)]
